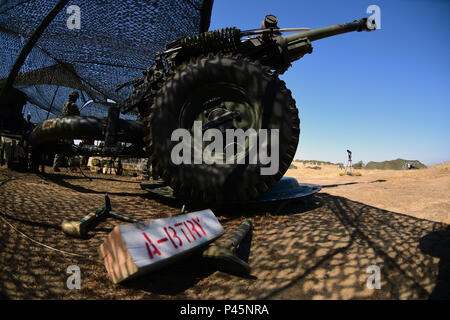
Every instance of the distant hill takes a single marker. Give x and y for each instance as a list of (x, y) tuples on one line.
[(316, 162), (398, 164)]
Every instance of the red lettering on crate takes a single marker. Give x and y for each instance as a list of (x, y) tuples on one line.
[(162, 240), (193, 228), (181, 228), (193, 236), (197, 222), (148, 244), (174, 235)]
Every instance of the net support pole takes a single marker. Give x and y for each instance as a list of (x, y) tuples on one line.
[(29, 45)]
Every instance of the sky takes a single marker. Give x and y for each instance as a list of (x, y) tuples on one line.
[(384, 94)]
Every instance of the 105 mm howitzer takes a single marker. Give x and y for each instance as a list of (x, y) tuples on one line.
[(226, 79)]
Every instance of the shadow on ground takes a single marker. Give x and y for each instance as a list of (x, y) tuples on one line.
[(437, 244), (350, 183), (318, 248)]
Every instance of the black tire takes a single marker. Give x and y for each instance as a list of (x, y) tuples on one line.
[(221, 183)]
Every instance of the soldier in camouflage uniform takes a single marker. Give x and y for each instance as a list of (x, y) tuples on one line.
[(69, 109)]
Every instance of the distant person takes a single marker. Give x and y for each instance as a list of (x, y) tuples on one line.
[(69, 109), (84, 160), (28, 124)]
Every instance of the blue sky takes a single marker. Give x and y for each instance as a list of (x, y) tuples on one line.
[(384, 94)]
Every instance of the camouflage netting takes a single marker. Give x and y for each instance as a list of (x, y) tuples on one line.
[(117, 40)]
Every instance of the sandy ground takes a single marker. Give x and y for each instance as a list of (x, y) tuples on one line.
[(421, 193), (317, 248)]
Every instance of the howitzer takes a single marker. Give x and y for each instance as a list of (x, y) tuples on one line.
[(270, 47), (226, 79)]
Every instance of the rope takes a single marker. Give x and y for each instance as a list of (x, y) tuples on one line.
[(42, 244)]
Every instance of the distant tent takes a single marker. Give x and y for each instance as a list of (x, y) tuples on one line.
[(116, 41)]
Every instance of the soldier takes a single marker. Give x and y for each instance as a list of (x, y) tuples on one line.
[(28, 124), (69, 109), (84, 160)]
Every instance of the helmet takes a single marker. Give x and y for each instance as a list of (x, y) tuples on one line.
[(74, 94)]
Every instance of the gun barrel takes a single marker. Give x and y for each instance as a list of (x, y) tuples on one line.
[(298, 44), (320, 33)]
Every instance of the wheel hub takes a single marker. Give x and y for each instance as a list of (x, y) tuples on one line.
[(221, 119), (222, 106)]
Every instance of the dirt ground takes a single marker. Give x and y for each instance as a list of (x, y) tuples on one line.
[(421, 193), (318, 248)]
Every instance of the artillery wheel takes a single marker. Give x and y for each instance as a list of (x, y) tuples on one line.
[(217, 87)]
